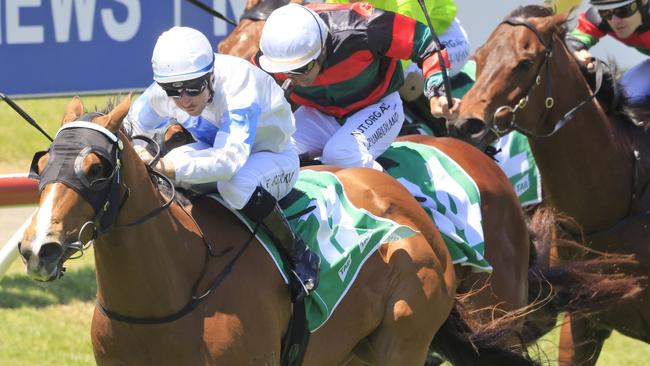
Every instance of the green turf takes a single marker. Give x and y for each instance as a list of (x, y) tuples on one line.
[(49, 324), (19, 140)]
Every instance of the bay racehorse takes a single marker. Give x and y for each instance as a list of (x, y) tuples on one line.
[(594, 165), (178, 283)]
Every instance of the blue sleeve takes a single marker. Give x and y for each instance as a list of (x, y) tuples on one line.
[(143, 116), (238, 127)]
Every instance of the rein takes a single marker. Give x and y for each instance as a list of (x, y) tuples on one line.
[(549, 101), (195, 299), (568, 116)]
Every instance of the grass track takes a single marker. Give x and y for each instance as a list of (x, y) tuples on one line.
[(49, 324)]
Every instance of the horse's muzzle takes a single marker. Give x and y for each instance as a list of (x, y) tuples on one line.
[(44, 264)]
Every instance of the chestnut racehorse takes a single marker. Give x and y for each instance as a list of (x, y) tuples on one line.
[(180, 284), (594, 166)]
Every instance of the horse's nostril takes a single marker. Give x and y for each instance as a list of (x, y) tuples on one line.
[(50, 252), (472, 127)]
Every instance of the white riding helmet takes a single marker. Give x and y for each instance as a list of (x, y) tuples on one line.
[(292, 36), (609, 4), (180, 54)]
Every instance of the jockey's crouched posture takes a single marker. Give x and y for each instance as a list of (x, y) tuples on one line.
[(242, 124), (344, 61)]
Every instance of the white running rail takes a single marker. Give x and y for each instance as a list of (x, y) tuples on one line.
[(9, 251)]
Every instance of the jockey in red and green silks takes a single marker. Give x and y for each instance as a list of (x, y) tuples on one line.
[(628, 22), (445, 23), (344, 63)]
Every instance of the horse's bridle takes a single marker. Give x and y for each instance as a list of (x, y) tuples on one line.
[(549, 101), (72, 143), (92, 138)]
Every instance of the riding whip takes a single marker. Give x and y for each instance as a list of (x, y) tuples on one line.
[(213, 12), (24, 114), (441, 60)]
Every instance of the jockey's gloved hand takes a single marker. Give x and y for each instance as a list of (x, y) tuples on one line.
[(439, 107), (434, 89), (585, 58), (144, 155), (164, 166)]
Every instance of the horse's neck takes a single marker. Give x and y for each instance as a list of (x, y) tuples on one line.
[(586, 171), (158, 259)]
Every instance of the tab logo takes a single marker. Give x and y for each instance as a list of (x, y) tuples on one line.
[(343, 272)]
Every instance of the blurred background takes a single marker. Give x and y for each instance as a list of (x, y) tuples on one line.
[(55, 48)]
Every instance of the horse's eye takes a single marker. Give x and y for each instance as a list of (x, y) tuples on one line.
[(95, 171), (524, 65), (98, 168)]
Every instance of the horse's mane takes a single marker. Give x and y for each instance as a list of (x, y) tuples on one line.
[(610, 96)]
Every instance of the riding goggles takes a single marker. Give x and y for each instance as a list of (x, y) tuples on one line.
[(620, 12), (192, 87), (302, 70)]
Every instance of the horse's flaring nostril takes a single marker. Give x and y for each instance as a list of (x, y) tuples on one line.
[(50, 252), (472, 128)]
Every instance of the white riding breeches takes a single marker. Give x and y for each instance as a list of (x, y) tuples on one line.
[(275, 172), (364, 136)]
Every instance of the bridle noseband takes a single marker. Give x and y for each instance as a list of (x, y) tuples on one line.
[(549, 101)]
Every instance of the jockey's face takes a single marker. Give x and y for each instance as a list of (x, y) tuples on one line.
[(307, 78), (193, 105), (625, 26)]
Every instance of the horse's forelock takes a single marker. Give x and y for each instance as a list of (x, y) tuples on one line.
[(558, 22)]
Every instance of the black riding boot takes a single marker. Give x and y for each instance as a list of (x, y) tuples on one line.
[(263, 208)]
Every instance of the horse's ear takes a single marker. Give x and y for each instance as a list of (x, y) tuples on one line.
[(113, 120), (73, 110), (554, 24)]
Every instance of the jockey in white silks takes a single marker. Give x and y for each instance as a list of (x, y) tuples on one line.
[(243, 129)]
